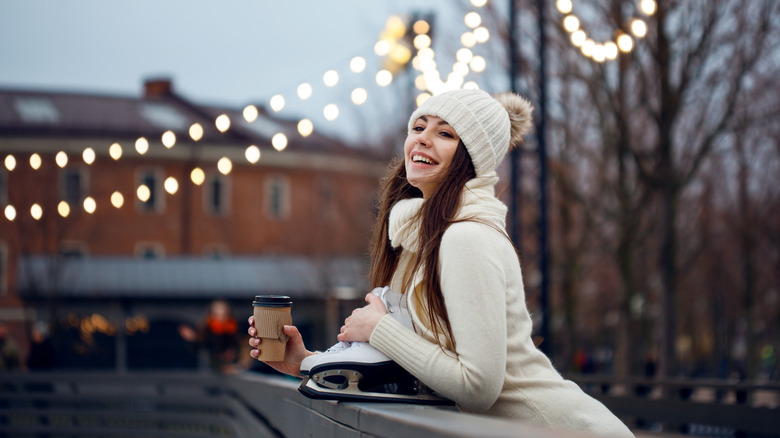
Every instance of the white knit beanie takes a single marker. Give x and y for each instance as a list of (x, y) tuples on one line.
[(485, 124)]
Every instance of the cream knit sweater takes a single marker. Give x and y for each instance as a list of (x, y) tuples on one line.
[(494, 367)]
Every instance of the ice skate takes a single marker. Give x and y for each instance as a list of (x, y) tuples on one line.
[(358, 371)]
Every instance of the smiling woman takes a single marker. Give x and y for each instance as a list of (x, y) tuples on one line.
[(461, 327), (428, 151)]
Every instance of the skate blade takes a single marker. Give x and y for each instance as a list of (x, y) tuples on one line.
[(350, 392)]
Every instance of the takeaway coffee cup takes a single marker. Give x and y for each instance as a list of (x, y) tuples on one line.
[(272, 312)]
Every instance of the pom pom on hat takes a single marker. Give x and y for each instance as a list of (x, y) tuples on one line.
[(488, 126)]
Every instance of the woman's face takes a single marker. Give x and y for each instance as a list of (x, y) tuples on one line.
[(428, 152)]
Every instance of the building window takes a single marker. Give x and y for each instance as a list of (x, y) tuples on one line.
[(151, 178), (277, 197), (3, 187), (149, 250), (216, 251), (3, 268), (328, 207), (73, 186), (218, 195), (73, 249)]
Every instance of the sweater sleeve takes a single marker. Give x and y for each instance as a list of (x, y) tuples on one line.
[(473, 285)]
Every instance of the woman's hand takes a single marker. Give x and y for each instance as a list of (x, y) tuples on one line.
[(294, 353), (359, 326)]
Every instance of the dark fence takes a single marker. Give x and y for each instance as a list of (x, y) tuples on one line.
[(691, 406), (100, 404), (194, 404)]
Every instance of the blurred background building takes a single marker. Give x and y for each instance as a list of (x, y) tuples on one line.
[(126, 216)]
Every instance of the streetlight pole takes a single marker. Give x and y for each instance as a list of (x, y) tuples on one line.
[(515, 155), (542, 145)]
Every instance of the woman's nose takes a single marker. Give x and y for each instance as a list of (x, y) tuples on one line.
[(424, 139)]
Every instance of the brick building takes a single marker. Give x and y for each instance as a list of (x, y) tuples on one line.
[(108, 244)]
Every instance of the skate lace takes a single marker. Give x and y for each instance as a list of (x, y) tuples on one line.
[(342, 345)]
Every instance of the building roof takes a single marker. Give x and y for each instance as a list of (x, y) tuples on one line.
[(194, 277), (57, 114)]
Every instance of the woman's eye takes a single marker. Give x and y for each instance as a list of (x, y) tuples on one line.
[(447, 134), (418, 129)]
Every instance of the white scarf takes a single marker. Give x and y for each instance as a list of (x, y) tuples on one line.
[(478, 202)]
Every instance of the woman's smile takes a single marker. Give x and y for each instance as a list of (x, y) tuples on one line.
[(428, 151), (423, 159)]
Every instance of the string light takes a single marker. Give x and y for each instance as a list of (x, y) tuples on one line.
[(472, 20), (117, 200), (564, 6), (607, 50), (279, 141), (357, 64), (421, 27), (464, 55), (89, 205), (197, 176), (468, 39), (304, 91), (625, 43), (390, 44), (35, 161), (478, 64), (250, 113), (63, 209), (648, 7), (171, 185), (639, 28), (224, 165), (481, 34), (10, 162), (61, 159), (331, 112), (168, 139), (115, 151), (305, 127), (142, 145), (384, 78), (359, 96), (88, 155), (36, 212), (196, 131), (571, 23), (330, 78), (222, 123), (252, 154), (143, 192), (10, 212), (421, 41), (277, 102)]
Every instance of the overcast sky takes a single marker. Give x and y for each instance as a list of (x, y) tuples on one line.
[(227, 52)]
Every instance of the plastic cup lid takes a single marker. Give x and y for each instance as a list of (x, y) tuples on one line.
[(272, 301)]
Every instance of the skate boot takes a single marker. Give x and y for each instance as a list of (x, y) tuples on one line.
[(396, 307), (358, 371)]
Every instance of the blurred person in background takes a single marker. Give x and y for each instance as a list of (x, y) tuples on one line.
[(219, 335), (9, 351), (41, 355)]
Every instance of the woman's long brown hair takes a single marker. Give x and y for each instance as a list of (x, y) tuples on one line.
[(437, 214)]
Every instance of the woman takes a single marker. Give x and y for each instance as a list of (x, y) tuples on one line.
[(440, 239)]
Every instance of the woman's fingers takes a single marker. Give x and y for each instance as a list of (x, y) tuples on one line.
[(375, 300), (251, 330)]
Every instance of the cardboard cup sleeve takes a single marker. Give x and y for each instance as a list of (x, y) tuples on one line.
[(270, 321)]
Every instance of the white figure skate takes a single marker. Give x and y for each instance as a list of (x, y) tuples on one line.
[(358, 371)]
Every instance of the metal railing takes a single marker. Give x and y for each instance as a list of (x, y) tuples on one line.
[(690, 406), (196, 404), (97, 404)]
